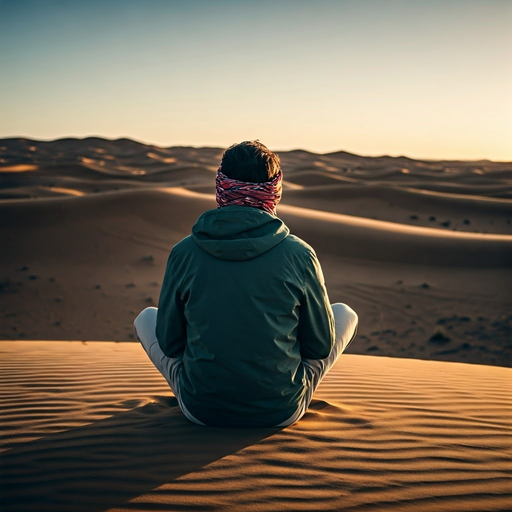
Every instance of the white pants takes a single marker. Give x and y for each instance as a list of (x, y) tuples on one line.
[(314, 369)]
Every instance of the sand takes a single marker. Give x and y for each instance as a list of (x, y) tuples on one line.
[(422, 250), (93, 427)]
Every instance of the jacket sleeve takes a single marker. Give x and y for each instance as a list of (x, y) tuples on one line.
[(316, 321), (171, 324)]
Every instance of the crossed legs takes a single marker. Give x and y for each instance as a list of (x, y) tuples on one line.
[(315, 370)]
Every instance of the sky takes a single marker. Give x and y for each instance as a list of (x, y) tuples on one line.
[(427, 79)]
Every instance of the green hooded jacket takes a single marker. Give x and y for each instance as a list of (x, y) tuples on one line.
[(243, 301)]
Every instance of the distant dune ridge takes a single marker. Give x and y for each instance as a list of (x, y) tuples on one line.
[(422, 250)]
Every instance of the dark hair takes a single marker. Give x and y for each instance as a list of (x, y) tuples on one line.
[(250, 161)]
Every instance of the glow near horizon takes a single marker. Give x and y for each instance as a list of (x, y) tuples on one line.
[(427, 79)]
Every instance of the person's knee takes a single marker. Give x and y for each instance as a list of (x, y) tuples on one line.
[(146, 315), (145, 322), (344, 313)]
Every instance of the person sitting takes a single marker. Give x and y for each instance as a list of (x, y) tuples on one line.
[(244, 331)]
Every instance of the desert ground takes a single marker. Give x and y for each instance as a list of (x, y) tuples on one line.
[(422, 250), (416, 417), (92, 427)]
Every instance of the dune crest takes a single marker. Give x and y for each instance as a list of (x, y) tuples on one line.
[(19, 168), (361, 222)]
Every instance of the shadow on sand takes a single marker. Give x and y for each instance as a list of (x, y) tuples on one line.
[(107, 463)]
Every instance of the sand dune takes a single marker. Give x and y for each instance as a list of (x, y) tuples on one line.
[(87, 227), (422, 250), (94, 427), (349, 236), (461, 212), (105, 254), (373, 240)]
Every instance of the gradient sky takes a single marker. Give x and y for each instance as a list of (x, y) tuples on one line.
[(427, 79)]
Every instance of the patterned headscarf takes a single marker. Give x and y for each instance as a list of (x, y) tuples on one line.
[(264, 196)]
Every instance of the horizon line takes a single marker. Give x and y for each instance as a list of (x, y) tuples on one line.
[(195, 146)]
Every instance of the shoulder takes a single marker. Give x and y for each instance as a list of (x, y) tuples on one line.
[(298, 246), (181, 250), (183, 245), (306, 257)]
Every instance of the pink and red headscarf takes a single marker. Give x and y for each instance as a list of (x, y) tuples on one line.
[(265, 196)]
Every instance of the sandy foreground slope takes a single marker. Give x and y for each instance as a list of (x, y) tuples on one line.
[(94, 427), (422, 250)]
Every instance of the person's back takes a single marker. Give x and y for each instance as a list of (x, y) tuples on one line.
[(244, 329)]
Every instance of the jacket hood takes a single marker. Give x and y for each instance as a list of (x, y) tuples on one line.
[(238, 232)]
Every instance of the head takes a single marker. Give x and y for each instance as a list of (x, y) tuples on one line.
[(250, 161), (249, 175)]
